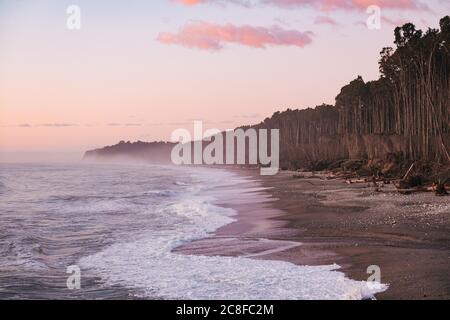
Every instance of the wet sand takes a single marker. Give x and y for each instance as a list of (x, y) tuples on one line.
[(314, 221)]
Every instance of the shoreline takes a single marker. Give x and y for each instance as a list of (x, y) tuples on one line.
[(255, 228), (324, 222)]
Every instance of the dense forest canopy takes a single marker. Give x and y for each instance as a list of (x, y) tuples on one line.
[(405, 112)]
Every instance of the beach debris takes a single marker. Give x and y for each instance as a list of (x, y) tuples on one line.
[(410, 183), (375, 184), (409, 171), (352, 181), (373, 180), (439, 189)]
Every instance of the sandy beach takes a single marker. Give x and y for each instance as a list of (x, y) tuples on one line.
[(314, 221)]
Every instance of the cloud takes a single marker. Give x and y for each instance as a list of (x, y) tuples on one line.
[(248, 116), (325, 5), (57, 125), (209, 36), (385, 20), (394, 22), (20, 125), (123, 124), (190, 2), (245, 3), (132, 124), (48, 125), (325, 20)]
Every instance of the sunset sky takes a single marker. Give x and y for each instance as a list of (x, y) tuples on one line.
[(137, 70)]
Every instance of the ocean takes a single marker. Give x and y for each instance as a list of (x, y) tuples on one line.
[(119, 225)]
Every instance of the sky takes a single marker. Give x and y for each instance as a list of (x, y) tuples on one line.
[(137, 70)]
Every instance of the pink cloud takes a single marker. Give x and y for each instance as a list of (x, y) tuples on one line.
[(394, 22), (325, 20), (191, 2), (326, 5), (246, 3), (209, 36), (385, 20)]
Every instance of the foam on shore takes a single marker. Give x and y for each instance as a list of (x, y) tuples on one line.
[(149, 265)]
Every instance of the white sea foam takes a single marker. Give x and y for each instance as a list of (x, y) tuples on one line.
[(149, 266)]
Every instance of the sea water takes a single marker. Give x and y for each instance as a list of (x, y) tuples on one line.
[(119, 225)]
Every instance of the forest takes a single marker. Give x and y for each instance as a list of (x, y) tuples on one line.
[(404, 115), (381, 126)]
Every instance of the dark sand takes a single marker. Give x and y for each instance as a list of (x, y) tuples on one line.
[(314, 221)]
